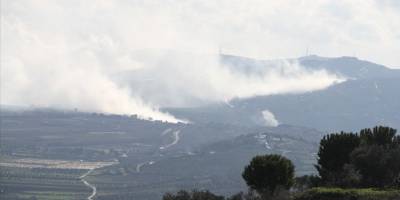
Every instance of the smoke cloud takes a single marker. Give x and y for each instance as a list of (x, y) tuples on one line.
[(128, 58), (269, 118), (47, 70), (187, 79)]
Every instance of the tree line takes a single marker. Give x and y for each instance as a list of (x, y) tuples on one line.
[(367, 159)]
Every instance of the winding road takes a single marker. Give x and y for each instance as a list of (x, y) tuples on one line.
[(94, 190), (176, 140), (175, 135)]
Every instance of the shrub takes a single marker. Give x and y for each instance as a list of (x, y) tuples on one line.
[(348, 194), (194, 195)]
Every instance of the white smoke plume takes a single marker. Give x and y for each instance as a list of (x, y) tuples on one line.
[(269, 118), (92, 56), (186, 79), (46, 71)]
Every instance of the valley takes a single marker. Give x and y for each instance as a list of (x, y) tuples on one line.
[(149, 159), (63, 154)]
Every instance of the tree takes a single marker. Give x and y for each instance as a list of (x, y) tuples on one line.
[(334, 153), (379, 135), (194, 195), (268, 173), (378, 157), (370, 159), (250, 195), (306, 182)]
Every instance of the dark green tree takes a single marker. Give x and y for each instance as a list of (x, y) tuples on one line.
[(379, 135), (378, 157), (250, 195), (194, 195), (306, 182), (268, 174), (334, 153)]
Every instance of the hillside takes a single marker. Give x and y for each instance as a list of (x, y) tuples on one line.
[(368, 97)]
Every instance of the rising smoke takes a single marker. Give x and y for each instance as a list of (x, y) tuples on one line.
[(269, 118), (187, 79), (90, 56)]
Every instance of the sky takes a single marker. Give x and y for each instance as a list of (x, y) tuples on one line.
[(369, 29), (68, 53)]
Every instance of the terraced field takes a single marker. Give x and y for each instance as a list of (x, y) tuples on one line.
[(28, 183)]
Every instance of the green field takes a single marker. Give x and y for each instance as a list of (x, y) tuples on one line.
[(27, 183)]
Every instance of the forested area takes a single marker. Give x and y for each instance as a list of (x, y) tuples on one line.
[(350, 166)]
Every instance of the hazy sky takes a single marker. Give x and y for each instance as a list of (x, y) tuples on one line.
[(67, 53), (369, 29)]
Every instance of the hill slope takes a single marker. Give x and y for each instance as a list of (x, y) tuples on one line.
[(369, 97)]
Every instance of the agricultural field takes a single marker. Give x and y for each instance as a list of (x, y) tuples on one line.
[(42, 183), (73, 155)]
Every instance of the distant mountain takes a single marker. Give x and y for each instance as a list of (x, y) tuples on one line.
[(350, 67), (369, 97), (153, 157)]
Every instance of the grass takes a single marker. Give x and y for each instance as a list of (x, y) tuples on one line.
[(322, 193), (46, 184)]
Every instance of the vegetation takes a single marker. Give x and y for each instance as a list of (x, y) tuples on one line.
[(368, 159), (26, 183), (305, 182), (382, 146), (351, 166), (363, 165), (269, 174), (348, 194), (194, 195), (334, 154)]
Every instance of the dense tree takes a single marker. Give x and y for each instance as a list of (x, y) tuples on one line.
[(251, 195), (379, 135), (268, 174), (334, 153), (194, 195), (306, 182), (207, 195), (378, 157), (370, 159)]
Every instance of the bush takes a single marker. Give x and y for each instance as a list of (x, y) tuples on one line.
[(193, 195), (348, 194), (306, 182)]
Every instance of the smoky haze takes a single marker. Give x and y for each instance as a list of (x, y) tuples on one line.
[(181, 79), (132, 58)]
